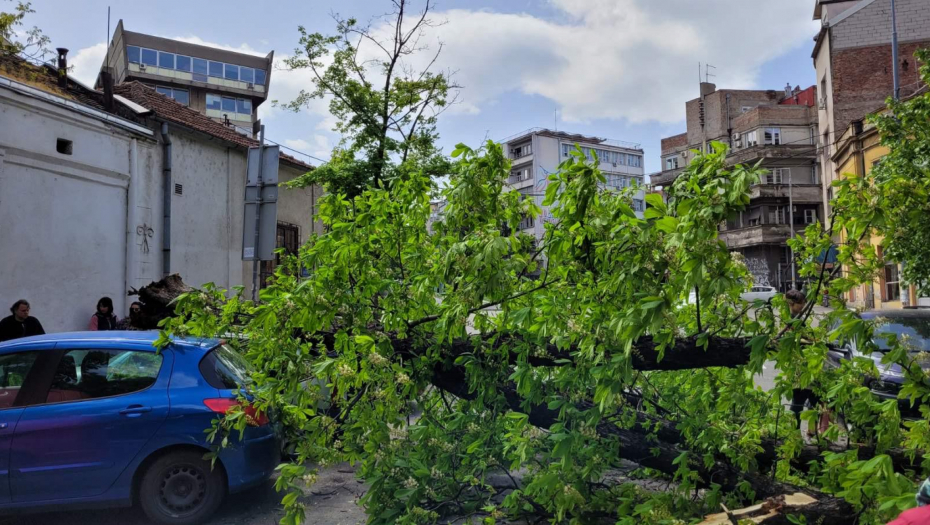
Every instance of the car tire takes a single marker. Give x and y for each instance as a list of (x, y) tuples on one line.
[(181, 488)]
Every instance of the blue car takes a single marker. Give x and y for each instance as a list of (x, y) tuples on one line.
[(93, 419)]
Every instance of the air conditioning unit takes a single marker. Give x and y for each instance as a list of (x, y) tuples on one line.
[(684, 154), (736, 137), (250, 86), (615, 164), (142, 66)]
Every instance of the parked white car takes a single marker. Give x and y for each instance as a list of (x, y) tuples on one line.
[(759, 292)]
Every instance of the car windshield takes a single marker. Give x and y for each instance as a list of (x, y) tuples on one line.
[(912, 332)]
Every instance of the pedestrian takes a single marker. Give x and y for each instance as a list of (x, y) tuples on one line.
[(133, 321), (797, 302), (103, 319), (20, 324), (919, 515)]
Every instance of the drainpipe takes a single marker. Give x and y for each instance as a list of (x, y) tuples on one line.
[(729, 128), (166, 224), (132, 221)]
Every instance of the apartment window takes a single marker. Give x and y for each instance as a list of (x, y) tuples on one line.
[(671, 163), (180, 95), (639, 205), (150, 57), (521, 151), (778, 175), (778, 215), (214, 101), (892, 282), (231, 72), (165, 60), (773, 136), (288, 237), (201, 66), (246, 74), (260, 77), (183, 63), (133, 54), (752, 138), (635, 161), (229, 104), (244, 106), (216, 69), (810, 216), (519, 175), (566, 150)]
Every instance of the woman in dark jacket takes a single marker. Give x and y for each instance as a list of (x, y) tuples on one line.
[(104, 319)]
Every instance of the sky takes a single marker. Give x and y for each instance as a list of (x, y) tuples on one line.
[(619, 69)]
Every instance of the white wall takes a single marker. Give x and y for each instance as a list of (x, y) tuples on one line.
[(62, 217)]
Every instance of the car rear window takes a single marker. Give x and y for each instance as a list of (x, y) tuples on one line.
[(224, 368), (912, 332)]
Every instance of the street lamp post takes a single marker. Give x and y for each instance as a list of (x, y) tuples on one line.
[(791, 227)]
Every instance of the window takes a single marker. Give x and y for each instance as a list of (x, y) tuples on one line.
[(752, 138), (180, 95), (892, 282), (810, 216), (244, 106), (567, 149), (149, 57), (183, 63), (671, 163), (287, 237), (778, 215), (519, 175), (92, 374), (64, 146), (639, 205), (744, 109), (635, 160), (214, 101), (224, 368), (133, 54), (777, 175), (229, 104), (773, 136), (521, 151), (246, 74), (216, 69), (165, 60), (231, 72), (201, 66), (13, 371), (260, 77)]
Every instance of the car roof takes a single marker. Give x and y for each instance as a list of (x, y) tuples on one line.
[(139, 339), (904, 313)]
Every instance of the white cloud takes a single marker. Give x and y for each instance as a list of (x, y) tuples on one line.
[(620, 59), (243, 48), (318, 145), (87, 61)]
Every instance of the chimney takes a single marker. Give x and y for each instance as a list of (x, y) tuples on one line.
[(106, 78), (62, 67), (787, 90)]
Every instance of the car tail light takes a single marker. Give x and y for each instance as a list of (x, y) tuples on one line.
[(221, 405)]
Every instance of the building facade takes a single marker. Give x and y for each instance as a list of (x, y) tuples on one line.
[(536, 153), (96, 202), (853, 59), (223, 85), (778, 128)]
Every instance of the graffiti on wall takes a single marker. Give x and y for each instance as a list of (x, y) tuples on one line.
[(759, 268)]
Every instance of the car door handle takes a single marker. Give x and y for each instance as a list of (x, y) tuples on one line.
[(134, 409)]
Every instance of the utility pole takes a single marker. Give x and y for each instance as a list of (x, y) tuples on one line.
[(894, 53), (256, 261)]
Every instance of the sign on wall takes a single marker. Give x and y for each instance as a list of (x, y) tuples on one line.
[(261, 197)]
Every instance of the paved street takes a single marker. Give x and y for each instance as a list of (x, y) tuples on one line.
[(331, 502)]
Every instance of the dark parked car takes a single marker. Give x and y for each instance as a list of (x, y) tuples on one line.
[(101, 419), (913, 326)]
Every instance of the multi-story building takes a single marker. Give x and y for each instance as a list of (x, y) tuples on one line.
[(223, 85), (853, 58), (780, 129), (536, 153)]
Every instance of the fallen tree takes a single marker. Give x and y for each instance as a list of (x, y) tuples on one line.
[(560, 380)]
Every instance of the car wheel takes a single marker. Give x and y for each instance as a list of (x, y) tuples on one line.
[(181, 488)]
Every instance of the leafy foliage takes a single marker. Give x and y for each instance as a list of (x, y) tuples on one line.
[(386, 110), (30, 44)]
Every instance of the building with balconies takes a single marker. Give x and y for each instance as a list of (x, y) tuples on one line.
[(536, 153), (223, 85), (780, 130)]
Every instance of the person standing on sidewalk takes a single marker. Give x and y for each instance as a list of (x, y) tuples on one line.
[(103, 319), (20, 324)]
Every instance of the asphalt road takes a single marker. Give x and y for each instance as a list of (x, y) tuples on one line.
[(332, 501)]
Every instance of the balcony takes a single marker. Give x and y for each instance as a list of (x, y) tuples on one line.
[(800, 193), (768, 151), (755, 235), (666, 177)]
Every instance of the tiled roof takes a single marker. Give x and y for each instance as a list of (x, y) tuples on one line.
[(173, 111)]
